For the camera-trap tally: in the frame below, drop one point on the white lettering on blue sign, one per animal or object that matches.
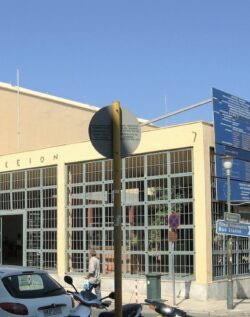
(240, 229)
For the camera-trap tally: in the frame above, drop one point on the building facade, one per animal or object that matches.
(56, 196)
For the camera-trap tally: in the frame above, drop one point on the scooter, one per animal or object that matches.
(86, 300)
(165, 310)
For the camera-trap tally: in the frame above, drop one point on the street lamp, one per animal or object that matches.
(227, 162)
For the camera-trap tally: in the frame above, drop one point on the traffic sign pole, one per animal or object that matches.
(230, 273)
(116, 114)
(173, 271)
(115, 133)
(174, 222)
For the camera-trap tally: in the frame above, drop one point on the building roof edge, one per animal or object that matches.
(46, 96)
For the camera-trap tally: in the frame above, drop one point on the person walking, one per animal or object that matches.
(93, 275)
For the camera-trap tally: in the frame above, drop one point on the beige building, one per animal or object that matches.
(56, 193)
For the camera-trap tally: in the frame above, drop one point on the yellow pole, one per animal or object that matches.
(116, 115)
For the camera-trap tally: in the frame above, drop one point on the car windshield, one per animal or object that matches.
(32, 285)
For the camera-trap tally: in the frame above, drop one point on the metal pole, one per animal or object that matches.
(229, 253)
(18, 109)
(173, 274)
(70, 221)
(177, 112)
(116, 114)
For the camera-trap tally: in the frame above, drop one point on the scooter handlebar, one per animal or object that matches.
(70, 292)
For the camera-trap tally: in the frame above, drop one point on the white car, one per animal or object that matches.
(32, 293)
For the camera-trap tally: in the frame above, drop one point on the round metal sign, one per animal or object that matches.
(101, 132)
(174, 221)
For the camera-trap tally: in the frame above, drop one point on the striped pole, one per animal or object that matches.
(136, 291)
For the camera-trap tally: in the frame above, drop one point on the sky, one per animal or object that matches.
(154, 56)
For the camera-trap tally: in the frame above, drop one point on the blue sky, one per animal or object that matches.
(152, 55)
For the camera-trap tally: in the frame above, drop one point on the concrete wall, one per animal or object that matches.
(31, 120)
(241, 288)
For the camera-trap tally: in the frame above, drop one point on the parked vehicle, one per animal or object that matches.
(86, 300)
(165, 310)
(31, 292)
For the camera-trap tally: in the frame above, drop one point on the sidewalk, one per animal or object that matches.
(194, 307)
(215, 308)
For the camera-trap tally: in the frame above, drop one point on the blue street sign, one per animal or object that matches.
(232, 137)
(231, 120)
(240, 169)
(241, 229)
(240, 154)
(240, 191)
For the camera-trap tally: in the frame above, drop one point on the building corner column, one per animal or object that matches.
(203, 209)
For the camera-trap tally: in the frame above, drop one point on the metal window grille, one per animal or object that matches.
(241, 245)
(5, 181)
(33, 193)
(153, 186)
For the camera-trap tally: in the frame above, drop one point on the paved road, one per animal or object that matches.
(149, 313)
(145, 313)
(96, 312)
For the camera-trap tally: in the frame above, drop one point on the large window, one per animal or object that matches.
(153, 186)
(33, 192)
(241, 245)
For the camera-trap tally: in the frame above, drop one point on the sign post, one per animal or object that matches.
(115, 133)
(173, 271)
(116, 113)
(174, 222)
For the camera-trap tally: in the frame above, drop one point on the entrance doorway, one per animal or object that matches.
(12, 239)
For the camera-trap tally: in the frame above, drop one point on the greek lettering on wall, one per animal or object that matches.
(27, 161)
